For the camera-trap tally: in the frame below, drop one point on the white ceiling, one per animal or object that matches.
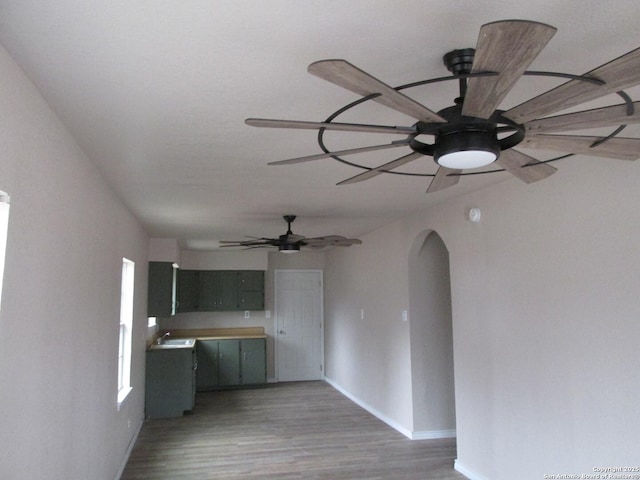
(156, 93)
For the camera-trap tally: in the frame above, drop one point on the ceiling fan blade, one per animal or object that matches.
(507, 47)
(524, 167)
(346, 75)
(619, 148)
(331, 240)
(621, 73)
(445, 177)
(340, 152)
(348, 127)
(374, 172)
(292, 237)
(598, 117)
(243, 244)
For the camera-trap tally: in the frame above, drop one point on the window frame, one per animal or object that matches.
(125, 335)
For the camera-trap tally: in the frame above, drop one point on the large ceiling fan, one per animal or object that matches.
(474, 133)
(290, 242)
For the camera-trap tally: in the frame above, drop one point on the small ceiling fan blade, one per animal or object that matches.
(331, 240)
(243, 244)
(347, 127)
(524, 167)
(292, 237)
(345, 75)
(619, 148)
(507, 47)
(598, 117)
(445, 177)
(340, 153)
(374, 172)
(325, 239)
(621, 73)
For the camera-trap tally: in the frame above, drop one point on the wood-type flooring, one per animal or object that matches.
(300, 430)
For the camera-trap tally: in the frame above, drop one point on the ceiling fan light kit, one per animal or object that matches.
(474, 132)
(466, 149)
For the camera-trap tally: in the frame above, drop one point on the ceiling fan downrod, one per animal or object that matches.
(459, 62)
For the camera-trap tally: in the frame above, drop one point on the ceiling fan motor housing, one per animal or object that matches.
(466, 139)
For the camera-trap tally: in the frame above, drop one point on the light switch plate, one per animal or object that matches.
(247, 314)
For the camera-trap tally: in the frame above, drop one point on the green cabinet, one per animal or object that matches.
(229, 372)
(253, 361)
(170, 382)
(161, 289)
(251, 290)
(187, 285)
(220, 290)
(230, 363)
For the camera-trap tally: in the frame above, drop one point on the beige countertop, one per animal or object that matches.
(206, 334)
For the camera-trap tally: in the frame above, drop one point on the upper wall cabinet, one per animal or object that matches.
(220, 290)
(161, 289)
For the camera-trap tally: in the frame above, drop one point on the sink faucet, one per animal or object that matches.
(161, 339)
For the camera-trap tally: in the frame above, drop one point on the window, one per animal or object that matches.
(126, 323)
(4, 225)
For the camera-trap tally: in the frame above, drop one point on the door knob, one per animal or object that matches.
(282, 332)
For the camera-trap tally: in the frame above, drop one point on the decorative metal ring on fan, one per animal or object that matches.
(468, 140)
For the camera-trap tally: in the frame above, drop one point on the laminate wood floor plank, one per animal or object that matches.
(286, 431)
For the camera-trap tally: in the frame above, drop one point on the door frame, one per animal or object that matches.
(276, 335)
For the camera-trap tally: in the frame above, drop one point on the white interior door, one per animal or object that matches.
(298, 305)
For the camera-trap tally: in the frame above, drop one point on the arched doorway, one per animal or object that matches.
(432, 372)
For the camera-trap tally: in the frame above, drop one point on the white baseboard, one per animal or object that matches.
(128, 452)
(392, 423)
(432, 434)
(470, 474)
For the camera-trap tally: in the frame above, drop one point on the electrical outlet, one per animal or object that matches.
(247, 314)
(267, 314)
(405, 316)
(362, 314)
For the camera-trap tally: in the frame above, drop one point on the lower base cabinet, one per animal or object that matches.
(231, 363)
(170, 382)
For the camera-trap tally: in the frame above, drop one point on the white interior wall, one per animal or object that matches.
(431, 338)
(545, 318)
(367, 353)
(61, 301)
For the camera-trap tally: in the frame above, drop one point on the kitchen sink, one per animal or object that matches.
(175, 343)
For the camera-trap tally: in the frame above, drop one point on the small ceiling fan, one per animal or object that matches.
(291, 243)
(474, 133)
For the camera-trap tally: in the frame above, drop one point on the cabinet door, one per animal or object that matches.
(253, 361)
(208, 290)
(188, 291)
(251, 290)
(251, 279)
(228, 362)
(160, 290)
(169, 382)
(228, 290)
(207, 371)
(218, 290)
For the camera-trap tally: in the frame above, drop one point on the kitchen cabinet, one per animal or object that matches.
(231, 363)
(220, 290)
(253, 365)
(187, 286)
(161, 289)
(251, 290)
(170, 382)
